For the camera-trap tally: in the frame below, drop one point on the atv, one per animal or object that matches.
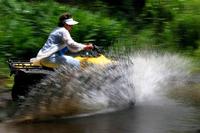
(26, 74)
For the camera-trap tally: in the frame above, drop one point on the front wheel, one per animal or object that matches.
(18, 92)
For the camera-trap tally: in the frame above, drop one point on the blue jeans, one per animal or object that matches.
(56, 60)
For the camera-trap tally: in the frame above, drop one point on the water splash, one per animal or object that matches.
(155, 74)
(142, 77)
(68, 92)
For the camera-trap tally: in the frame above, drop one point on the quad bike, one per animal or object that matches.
(27, 74)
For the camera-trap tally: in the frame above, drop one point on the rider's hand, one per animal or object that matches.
(89, 46)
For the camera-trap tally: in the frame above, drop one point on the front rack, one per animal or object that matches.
(17, 64)
(26, 67)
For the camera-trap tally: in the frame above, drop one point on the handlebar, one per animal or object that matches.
(96, 51)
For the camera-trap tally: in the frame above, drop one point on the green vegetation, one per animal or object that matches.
(25, 26)
(170, 25)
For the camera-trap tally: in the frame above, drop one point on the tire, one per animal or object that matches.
(23, 83)
(17, 92)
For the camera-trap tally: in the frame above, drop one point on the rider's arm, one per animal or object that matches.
(71, 44)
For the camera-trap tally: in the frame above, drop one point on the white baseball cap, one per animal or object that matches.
(70, 21)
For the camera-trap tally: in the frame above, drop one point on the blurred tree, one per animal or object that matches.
(138, 5)
(186, 31)
(126, 8)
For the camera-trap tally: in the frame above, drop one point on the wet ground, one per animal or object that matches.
(175, 112)
(167, 118)
(5, 98)
(172, 115)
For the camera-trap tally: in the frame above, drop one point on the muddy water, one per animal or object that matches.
(166, 97)
(170, 117)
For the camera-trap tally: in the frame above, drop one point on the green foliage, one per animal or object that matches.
(25, 26)
(186, 31)
(161, 24)
(171, 25)
(95, 28)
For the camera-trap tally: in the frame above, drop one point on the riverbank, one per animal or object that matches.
(5, 97)
(189, 94)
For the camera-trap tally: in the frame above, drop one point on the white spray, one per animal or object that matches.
(154, 74)
(139, 78)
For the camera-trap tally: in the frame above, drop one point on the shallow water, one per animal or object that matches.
(164, 101)
(169, 117)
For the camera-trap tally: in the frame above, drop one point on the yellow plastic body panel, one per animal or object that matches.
(100, 60)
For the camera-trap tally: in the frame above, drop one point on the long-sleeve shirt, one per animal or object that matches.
(58, 39)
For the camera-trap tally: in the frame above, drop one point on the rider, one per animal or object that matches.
(59, 42)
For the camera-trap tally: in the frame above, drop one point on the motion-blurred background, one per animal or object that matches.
(161, 25)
